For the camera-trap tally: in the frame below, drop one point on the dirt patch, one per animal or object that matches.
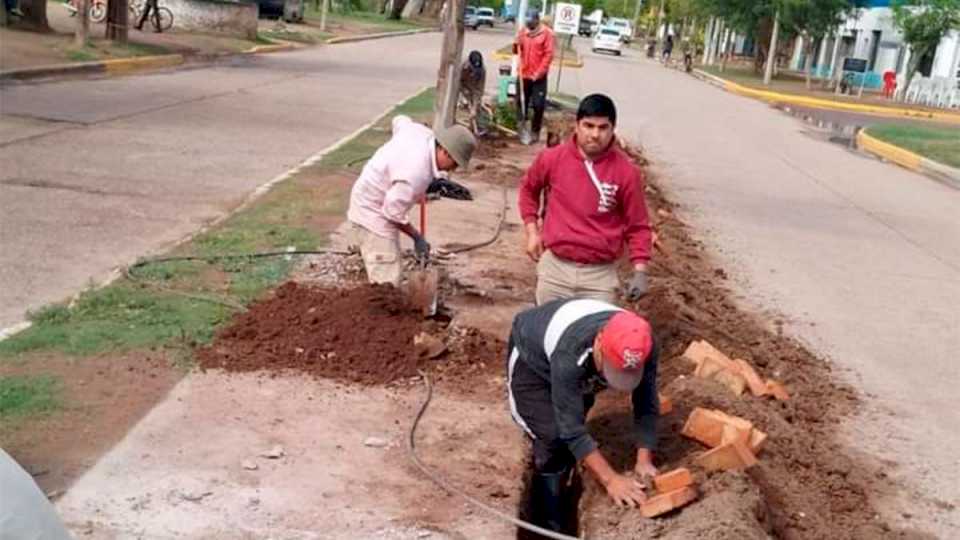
(102, 397)
(362, 335)
(806, 484)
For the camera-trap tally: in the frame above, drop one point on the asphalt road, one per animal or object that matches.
(96, 173)
(859, 257)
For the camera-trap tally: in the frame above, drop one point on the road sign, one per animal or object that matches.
(567, 20)
(856, 65)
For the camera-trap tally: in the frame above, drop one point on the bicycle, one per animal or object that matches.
(97, 11)
(162, 18)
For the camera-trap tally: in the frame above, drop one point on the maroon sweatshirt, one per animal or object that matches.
(580, 225)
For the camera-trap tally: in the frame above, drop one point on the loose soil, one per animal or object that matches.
(361, 335)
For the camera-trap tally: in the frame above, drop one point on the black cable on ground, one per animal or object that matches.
(496, 232)
(445, 485)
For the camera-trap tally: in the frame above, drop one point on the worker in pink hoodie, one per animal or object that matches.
(582, 204)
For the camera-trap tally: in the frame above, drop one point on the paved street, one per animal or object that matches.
(859, 257)
(94, 174)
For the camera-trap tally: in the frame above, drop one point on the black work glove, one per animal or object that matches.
(421, 248)
(637, 286)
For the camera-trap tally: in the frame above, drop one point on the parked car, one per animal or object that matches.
(470, 18)
(587, 27)
(625, 28)
(608, 39)
(485, 16)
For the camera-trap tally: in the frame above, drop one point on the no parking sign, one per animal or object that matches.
(567, 20)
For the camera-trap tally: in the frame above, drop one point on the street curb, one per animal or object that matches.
(907, 159)
(383, 35)
(566, 61)
(818, 103)
(117, 66)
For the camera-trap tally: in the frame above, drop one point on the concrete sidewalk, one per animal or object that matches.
(857, 259)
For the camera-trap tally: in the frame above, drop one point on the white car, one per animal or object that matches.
(624, 27)
(608, 39)
(485, 16)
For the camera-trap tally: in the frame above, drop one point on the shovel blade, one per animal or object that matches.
(422, 289)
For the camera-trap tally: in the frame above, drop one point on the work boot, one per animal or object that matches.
(547, 500)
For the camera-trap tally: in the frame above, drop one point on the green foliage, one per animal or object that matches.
(23, 395)
(923, 24)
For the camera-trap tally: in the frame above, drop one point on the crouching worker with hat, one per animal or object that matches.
(392, 182)
(560, 354)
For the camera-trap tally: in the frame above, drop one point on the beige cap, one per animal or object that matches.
(458, 142)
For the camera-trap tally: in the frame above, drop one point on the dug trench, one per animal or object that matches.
(805, 485)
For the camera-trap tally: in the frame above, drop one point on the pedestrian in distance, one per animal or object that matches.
(391, 183)
(560, 355)
(150, 6)
(582, 202)
(667, 49)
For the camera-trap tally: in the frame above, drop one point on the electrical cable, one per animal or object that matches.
(449, 488)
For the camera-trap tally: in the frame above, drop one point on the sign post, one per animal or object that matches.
(566, 22)
(854, 65)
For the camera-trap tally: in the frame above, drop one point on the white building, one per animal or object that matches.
(871, 36)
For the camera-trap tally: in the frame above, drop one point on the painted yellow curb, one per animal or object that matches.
(278, 47)
(890, 152)
(819, 103)
(567, 62)
(128, 65)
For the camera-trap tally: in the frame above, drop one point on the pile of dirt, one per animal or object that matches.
(806, 485)
(363, 334)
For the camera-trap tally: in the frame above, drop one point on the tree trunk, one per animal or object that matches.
(3, 15)
(772, 54)
(397, 9)
(808, 63)
(412, 9)
(117, 23)
(432, 9)
(35, 12)
(448, 77)
(83, 23)
(723, 49)
(323, 15)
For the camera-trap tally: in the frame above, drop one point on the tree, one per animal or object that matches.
(117, 21)
(814, 20)
(35, 13)
(924, 23)
(448, 77)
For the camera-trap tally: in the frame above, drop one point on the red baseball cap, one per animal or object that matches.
(625, 343)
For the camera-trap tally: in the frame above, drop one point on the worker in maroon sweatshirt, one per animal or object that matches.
(592, 206)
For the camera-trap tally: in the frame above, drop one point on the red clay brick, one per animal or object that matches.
(728, 457)
(698, 350)
(661, 504)
(732, 380)
(673, 480)
(777, 390)
(754, 382)
(666, 406)
(707, 426)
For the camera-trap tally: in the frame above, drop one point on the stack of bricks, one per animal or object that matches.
(734, 442)
(736, 374)
(674, 490)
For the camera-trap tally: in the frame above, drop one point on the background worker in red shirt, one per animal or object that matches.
(536, 46)
(593, 206)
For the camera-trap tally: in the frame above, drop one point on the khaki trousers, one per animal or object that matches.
(558, 278)
(381, 255)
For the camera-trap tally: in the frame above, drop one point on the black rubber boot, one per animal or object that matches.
(548, 501)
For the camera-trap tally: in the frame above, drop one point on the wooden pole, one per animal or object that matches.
(772, 53)
(448, 77)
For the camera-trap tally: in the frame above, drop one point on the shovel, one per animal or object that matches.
(523, 129)
(423, 281)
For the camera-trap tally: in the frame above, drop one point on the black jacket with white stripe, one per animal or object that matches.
(556, 341)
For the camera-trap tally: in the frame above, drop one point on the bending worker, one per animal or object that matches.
(392, 182)
(593, 206)
(560, 355)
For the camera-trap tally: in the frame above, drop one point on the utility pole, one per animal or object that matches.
(772, 53)
(448, 78)
(83, 23)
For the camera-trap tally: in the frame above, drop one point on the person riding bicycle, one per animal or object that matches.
(150, 6)
(667, 49)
